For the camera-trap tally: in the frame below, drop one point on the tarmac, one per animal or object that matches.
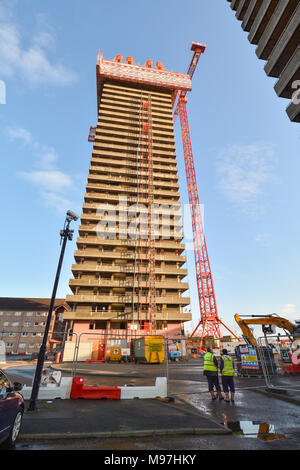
(71, 419)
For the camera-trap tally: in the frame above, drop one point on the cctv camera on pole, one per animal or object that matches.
(66, 234)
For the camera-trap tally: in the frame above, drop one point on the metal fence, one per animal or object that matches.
(186, 364)
(282, 373)
(117, 359)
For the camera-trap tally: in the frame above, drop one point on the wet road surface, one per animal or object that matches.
(257, 421)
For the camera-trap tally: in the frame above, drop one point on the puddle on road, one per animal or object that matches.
(254, 429)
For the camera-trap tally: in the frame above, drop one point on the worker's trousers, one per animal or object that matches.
(213, 381)
(228, 383)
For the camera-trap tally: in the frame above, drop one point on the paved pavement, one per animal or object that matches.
(115, 418)
(106, 418)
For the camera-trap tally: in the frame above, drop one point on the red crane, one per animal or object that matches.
(210, 322)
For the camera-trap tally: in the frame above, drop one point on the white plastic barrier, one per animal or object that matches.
(159, 390)
(51, 391)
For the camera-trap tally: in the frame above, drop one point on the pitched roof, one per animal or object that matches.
(27, 305)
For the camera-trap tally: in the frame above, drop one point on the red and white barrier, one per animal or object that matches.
(159, 390)
(93, 393)
(74, 388)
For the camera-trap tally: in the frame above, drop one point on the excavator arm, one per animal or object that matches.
(247, 333)
(264, 320)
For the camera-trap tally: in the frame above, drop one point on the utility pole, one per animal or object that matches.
(65, 234)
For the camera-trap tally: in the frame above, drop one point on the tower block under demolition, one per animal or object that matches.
(129, 271)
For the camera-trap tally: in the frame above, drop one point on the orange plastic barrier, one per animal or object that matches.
(93, 393)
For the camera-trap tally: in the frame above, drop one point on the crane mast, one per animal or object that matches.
(210, 322)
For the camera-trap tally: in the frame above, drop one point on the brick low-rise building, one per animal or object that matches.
(23, 320)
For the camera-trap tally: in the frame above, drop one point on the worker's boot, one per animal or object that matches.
(232, 397)
(220, 396)
(213, 397)
(227, 397)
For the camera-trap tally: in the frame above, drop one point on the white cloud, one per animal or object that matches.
(9, 49)
(243, 172)
(56, 201)
(51, 182)
(45, 35)
(37, 68)
(54, 180)
(31, 64)
(263, 238)
(19, 133)
(47, 159)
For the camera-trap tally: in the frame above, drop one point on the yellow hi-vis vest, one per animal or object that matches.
(209, 362)
(228, 366)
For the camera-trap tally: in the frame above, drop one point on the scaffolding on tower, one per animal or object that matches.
(147, 292)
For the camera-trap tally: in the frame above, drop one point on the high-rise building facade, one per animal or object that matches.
(129, 271)
(274, 27)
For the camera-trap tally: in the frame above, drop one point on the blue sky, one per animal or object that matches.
(246, 150)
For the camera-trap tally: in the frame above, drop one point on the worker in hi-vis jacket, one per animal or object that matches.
(211, 373)
(227, 373)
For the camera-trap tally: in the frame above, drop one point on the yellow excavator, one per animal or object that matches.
(269, 324)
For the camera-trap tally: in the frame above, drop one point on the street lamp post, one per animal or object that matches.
(65, 234)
